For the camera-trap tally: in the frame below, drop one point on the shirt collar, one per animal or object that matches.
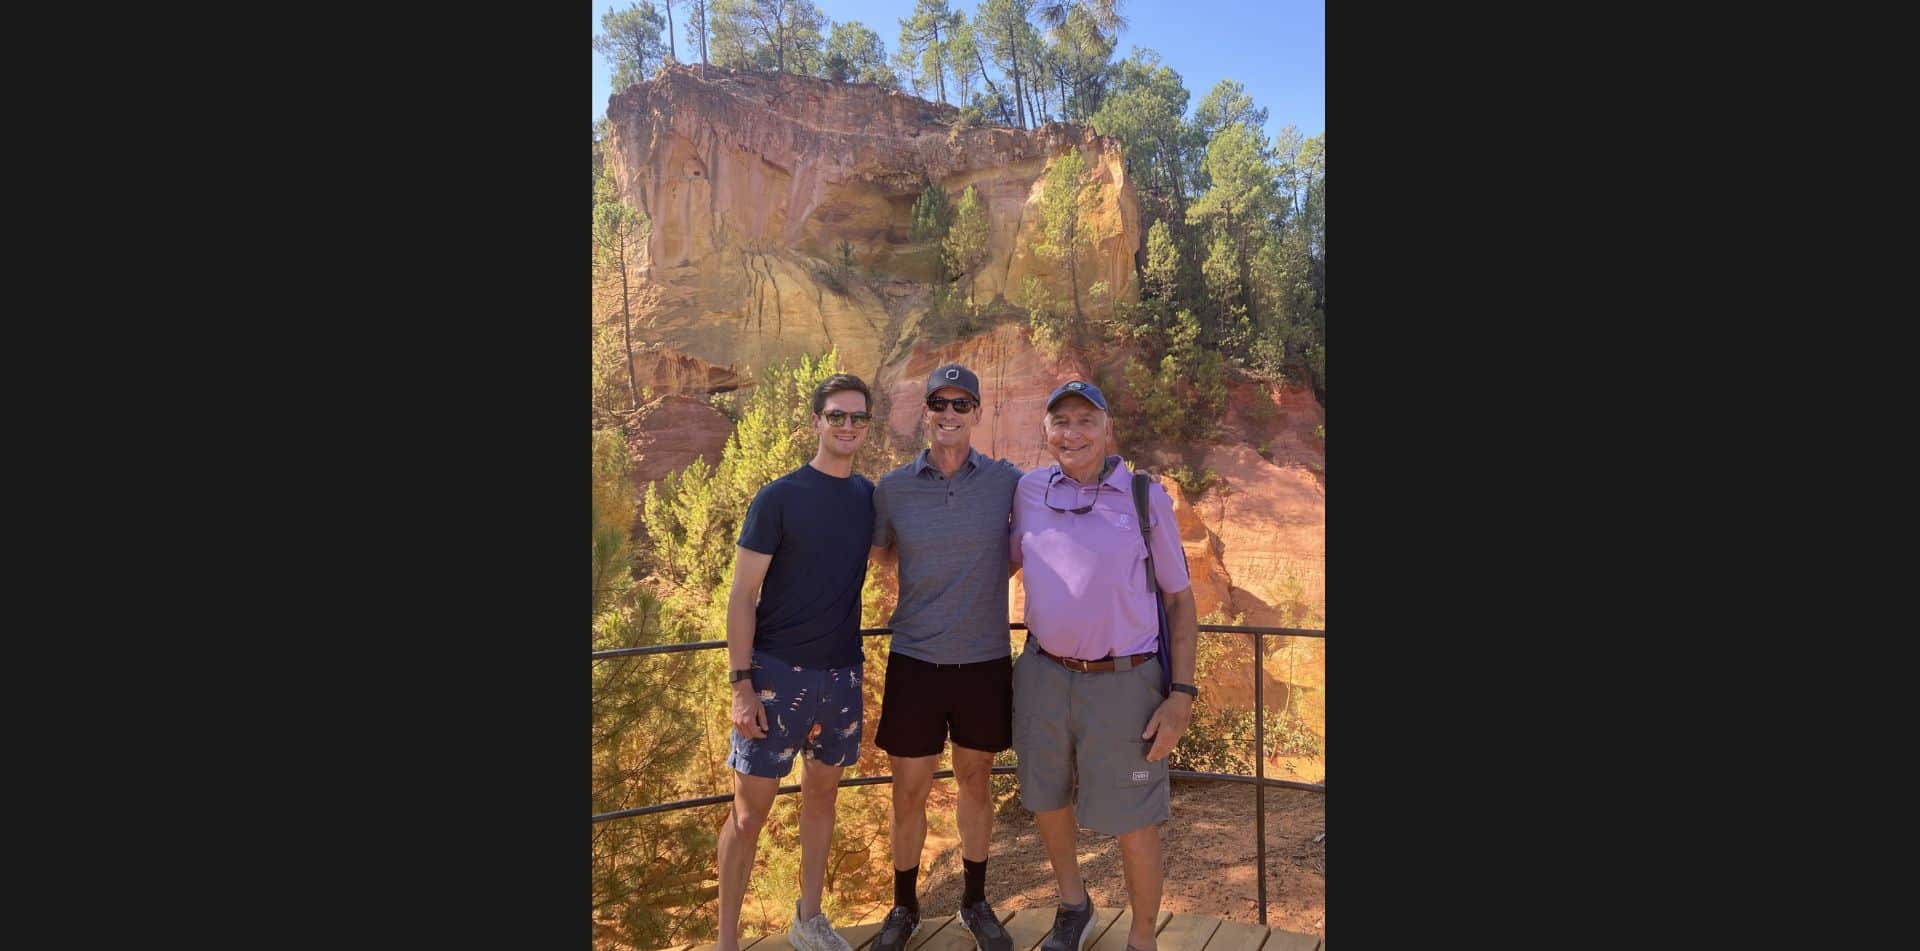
(924, 461)
(1118, 478)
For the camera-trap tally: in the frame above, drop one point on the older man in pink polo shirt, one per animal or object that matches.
(1090, 726)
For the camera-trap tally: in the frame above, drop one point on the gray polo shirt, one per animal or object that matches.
(951, 536)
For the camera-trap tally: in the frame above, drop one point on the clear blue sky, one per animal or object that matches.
(1276, 48)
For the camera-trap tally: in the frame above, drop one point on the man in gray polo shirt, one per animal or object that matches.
(946, 514)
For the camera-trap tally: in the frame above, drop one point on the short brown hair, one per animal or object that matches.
(839, 383)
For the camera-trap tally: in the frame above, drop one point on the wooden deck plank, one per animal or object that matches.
(1187, 932)
(860, 935)
(1104, 920)
(930, 927)
(1114, 938)
(956, 937)
(745, 943)
(1238, 936)
(1280, 940)
(773, 942)
(1029, 926)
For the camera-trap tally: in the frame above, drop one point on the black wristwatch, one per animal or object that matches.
(739, 675)
(1188, 689)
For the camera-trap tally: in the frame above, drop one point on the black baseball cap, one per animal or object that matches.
(953, 374)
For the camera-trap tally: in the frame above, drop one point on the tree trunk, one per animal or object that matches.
(626, 320)
(939, 66)
(672, 50)
(1073, 284)
(703, 38)
(983, 71)
(779, 41)
(1019, 99)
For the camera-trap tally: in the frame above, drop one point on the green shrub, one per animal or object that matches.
(1194, 484)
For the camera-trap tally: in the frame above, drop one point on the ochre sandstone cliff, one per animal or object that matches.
(753, 180)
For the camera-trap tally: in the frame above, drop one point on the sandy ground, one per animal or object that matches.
(1210, 859)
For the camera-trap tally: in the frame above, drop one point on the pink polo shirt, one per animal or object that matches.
(1086, 575)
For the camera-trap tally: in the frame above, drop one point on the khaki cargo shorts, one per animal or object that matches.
(1073, 729)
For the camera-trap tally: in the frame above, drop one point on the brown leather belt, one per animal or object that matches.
(1102, 665)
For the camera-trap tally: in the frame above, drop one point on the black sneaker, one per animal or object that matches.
(985, 925)
(1071, 928)
(899, 927)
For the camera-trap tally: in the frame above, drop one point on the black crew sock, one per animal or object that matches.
(904, 886)
(976, 880)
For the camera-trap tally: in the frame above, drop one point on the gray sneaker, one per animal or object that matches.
(985, 925)
(1071, 928)
(815, 934)
(899, 927)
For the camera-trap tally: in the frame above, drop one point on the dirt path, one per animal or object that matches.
(1209, 851)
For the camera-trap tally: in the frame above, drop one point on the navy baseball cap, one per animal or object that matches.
(953, 374)
(1078, 388)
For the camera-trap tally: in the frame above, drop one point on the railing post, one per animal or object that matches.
(1260, 765)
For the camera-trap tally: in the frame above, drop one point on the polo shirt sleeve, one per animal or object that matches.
(760, 531)
(1169, 558)
(882, 524)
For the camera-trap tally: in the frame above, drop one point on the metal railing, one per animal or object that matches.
(1259, 780)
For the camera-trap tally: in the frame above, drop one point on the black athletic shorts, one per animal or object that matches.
(921, 703)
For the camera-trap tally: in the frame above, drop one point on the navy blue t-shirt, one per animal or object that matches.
(817, 528)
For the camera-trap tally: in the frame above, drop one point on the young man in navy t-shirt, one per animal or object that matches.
(795, 655)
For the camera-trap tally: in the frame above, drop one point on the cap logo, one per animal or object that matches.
(953, 374)
(1076, 386)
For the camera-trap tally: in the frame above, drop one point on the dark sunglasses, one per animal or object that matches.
(1082, 510)
(961, 404)
(837, 417)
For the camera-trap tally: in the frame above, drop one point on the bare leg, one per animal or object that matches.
(1057, 832)
(739, 838)
(819, 790)
(1140, 864)
(971, 769)
(912, 778)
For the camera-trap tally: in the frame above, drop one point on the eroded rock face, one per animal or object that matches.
(1271, 521)
(754, 180)
(658, 368)
(1284, 419)
(1015, 380)
(1212, 587)
(667, 434)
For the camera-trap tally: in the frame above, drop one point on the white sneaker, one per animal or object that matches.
(815, 934)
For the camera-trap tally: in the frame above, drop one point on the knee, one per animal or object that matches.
(973, 781)
(1144, 840)
(819, 797)
(910, 797)
(746, 820)
(911, 788)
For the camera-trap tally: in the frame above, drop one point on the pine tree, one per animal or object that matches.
(965, 247)
(1063, 233)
